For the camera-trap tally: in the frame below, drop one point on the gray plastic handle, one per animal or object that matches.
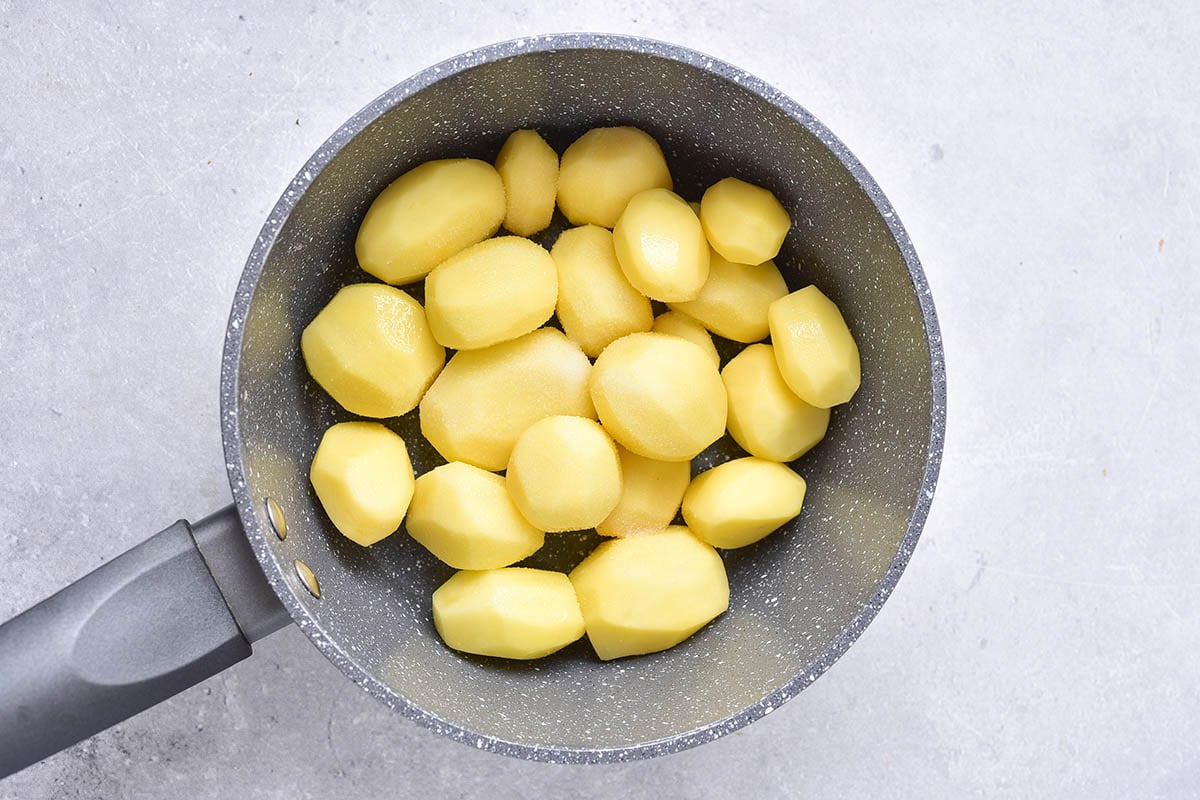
(161, 617)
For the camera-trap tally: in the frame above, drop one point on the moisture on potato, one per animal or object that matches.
(508, 613)
(661, 246)
(596, 303)
(816, 352)
(605, 167)
(733, 301)
(659, 396)
(427, 215)
(745, 223)
(674, 323)
(766, 417)
(364, 479)
(564, 474)
(647, 593)
(484, 399)
(741, 501)
(529, 169)
(491, 292)
(651, 492)
(464, 516)
(371, 349)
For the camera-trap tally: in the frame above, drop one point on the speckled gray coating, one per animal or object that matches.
(799, 597)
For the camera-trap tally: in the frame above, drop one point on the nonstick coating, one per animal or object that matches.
(799, 598)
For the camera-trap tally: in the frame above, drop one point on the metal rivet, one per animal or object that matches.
(276, 518)
(308, 579)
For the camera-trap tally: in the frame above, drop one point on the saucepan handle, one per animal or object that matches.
(161, 617)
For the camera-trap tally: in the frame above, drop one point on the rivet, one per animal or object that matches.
(308, 579)
(276, 518)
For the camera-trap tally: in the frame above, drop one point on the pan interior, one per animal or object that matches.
(793, 594)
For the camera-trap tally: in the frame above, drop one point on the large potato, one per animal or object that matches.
(603, 169)
(647, 593)
(491, 292)
(651, 492)
(427, 215)
(364, 479)
(508, 613)
(817, 355)
(675, 323)
(743, 222)
(741, 501)
(765, 416)
(484, 399)
(529, 168)
(371, 348)
(661, 246)
(734, 300)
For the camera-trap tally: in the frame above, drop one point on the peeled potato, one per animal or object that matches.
(817, 355)
(484, 399)
(529, 168)
(371, 348)
(564, 474)
(765, 417)
(651, 492)
(491, 292)
(603, 169)
(674, 323)
(745, 223)
(733, 301)
(427, 215)
(659, 396)
(464, 516)
(364, 480)
(648, 593)
(596, 303)
(661, 246)
(741, 501)
(508, 613)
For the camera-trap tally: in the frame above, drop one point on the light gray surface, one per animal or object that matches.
(1043, 639)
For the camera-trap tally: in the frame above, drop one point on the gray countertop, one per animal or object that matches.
(1043, 640)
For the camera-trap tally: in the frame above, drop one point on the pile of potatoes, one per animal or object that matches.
(593, 425)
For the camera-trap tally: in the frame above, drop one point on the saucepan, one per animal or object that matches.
(189, 602)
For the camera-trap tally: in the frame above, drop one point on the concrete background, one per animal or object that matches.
(1044, 639)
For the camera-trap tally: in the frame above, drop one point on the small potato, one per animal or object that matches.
(659, 396)
(745, 223)
(741, 501)
(529, 168)
(651, 492)
(364, 480)
(674, 323)
(817, 355)
(371, 348)
(508, 613)
(596, 304)
(765, 416)
(491, 292)
(427, 215)
(484, 399)
(564, 474)
(661, 246)
(647, 593)
(733, 301)
(603, 169)
(464, 516)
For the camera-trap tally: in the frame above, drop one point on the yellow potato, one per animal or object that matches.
(596, 304)
(364, 480)
(733, 301)
(491, 292)
(741, 501)
(529, 168)
(603, 169)
(464, 516)
(651, 492)
(484, 399)
(564, 474)
(427, 215)
(817, 355)
(659, 396)
(509, 613)
(674, 323)
(371, 348)
(661, 246)
(744, 223)
(765, 416)
(648, 593)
